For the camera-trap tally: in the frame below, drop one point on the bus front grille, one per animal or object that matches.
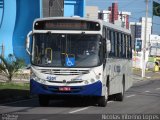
(64, 72)
(68, 82)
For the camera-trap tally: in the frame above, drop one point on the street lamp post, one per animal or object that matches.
(144, 42)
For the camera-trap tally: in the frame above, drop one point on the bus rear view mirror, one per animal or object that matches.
(28, 42)
(108, 46)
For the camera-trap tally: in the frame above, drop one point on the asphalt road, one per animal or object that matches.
(142, 98)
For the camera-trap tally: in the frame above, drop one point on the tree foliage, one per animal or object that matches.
(10, 65)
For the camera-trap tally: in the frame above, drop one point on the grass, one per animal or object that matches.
(19, 86)
(10, 92)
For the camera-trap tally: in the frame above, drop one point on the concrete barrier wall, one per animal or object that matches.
(26, 12)
(7, 19)
(16, 21)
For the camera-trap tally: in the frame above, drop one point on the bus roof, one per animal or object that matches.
(107, 24)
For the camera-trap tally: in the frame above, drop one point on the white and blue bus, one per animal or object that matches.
(72, 56)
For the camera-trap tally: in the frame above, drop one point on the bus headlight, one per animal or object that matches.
(40, 80)
(92, 80)
(34, 77)
(43, 81)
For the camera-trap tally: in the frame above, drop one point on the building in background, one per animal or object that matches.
(136, 28)
(74, 8)
(92, 12)
(17, 16)
(113, 15)
(104, 15)
(52, 8)
(138, 31)
(154, 48)
(154, 51)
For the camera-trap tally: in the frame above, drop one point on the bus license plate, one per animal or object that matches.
(64, 89)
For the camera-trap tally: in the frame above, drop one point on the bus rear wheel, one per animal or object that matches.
(43, 100)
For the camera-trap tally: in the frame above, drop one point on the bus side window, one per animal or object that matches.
(119, 45)
(112, 44)
(104, 42)
(126, 48)
(123, 46)
(122, 42)
(130, 47)
(115, 45)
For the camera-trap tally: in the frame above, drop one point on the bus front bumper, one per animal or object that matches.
(94, 89)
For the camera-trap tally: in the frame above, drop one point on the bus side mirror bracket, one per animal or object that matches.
(28, 42)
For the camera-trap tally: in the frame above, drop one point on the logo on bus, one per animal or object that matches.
(70, 61)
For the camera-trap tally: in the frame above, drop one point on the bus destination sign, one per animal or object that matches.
(66, 25)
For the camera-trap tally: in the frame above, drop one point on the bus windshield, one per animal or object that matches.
(66, 50)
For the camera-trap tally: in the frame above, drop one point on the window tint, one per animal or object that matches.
(121, 45)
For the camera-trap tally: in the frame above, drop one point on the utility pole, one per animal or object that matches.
(144, 42)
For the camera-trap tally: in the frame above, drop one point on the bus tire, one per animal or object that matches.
(120, 96)
(43, 100)
(102, 102)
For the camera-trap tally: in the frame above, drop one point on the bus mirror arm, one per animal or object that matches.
(28, 42)
(28, 52)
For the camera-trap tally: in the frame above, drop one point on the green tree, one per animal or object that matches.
(9, 66)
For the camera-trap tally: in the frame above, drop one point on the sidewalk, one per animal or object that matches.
(15, 80)
(149, 75)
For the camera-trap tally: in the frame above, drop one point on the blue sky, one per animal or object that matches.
(136, 7)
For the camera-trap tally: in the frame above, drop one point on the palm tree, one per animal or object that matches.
(9, 66)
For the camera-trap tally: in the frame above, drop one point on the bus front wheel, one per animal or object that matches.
(102, 102)
(43, 100)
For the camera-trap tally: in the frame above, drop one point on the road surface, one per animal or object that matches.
(142, 98)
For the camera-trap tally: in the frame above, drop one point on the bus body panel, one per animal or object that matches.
(77, 83)
(116, 76)
(86, 90)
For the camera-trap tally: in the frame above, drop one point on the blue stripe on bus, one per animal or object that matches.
(94, 89)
